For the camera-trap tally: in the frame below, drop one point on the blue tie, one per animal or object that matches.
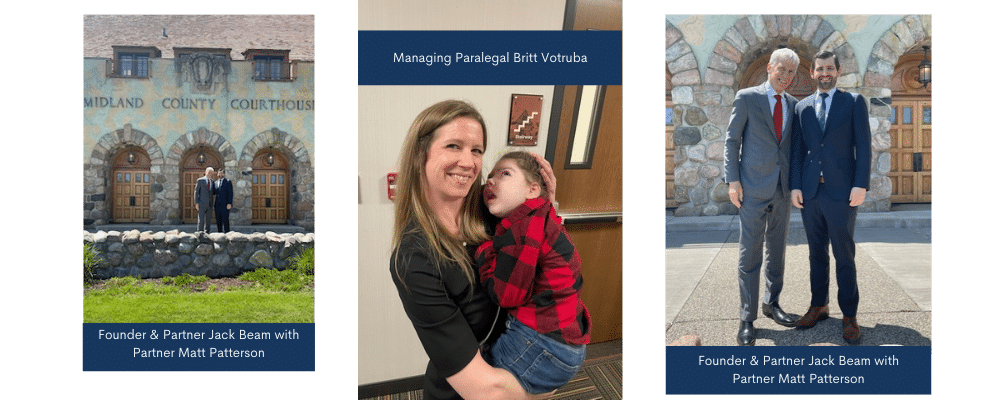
(822, 111)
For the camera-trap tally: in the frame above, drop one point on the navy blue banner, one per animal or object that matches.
(199, 347)
(489, 57)
(798, 370)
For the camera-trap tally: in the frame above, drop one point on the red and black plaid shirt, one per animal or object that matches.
(531, 268)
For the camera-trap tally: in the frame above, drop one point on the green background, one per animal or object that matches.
(41, 281)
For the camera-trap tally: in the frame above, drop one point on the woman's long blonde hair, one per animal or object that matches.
(411, 205)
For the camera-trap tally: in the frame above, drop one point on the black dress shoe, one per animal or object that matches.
(747, 336)
(773, 311)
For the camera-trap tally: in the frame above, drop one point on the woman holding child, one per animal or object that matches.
(440, 219)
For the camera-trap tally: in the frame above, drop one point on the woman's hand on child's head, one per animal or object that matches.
(548, 176)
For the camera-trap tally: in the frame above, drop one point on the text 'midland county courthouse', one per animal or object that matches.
(167, 96)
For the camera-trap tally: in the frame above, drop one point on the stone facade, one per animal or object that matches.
(703, 101)
(201, 99)
(157, 254)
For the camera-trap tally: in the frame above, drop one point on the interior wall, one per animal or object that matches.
(388, 347)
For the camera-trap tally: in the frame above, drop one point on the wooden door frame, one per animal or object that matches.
(609, 308)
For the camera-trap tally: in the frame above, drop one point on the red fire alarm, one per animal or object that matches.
(391, 178)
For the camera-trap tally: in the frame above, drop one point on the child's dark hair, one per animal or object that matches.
(532, 171)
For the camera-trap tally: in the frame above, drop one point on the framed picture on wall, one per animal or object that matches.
(525, 119)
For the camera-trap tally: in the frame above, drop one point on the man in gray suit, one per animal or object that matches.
(757, 158)
(203, 191)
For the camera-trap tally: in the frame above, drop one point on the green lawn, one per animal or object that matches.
(212, 307)
(265, 296)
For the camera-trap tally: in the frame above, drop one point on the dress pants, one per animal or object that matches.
(829, 222)
(204, 223)
(763, 233)
(222, 218)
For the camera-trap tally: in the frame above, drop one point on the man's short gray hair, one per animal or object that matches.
(784, 54)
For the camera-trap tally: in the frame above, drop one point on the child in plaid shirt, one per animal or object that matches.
(531, 268)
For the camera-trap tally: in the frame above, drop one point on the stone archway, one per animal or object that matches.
(700, 135)
(172, 166)
(912, 31)
(300, 172)
(97, 179)
(681, 76)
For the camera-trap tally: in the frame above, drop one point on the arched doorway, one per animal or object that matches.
(269, 184)
(910, 132)
(671, 147)
(193, 166)
(130, 185)
(801, 87)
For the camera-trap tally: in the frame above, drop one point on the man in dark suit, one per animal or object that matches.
(831, 161)
(223, 201)
(204, 188)
(756, 163)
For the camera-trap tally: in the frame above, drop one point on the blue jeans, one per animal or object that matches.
(541, 364)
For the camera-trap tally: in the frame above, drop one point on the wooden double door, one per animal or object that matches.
(130, 186)
(270, 196)
(131, 196)
(910, 133)
(270, 188)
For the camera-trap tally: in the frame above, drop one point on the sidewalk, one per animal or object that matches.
(894, 277)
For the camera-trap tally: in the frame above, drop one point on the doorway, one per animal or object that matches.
(269, 184)
(130, 185)
(910, 131)
(192, 168)
(910, 134)
(585, 149)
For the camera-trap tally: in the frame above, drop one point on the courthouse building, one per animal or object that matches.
(710, 58)
(167, 96)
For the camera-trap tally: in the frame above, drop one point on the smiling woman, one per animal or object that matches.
(438, 224)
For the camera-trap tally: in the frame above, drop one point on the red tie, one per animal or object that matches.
(209, 186)
(777, 117)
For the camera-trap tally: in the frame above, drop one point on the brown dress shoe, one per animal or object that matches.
(852, 333)
(814, 315)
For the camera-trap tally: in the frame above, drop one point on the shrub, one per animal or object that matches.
(91, 260)
(305, 262)
(272, 279)
(185, 279)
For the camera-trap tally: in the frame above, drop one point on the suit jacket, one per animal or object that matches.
(753, 155)
(223, 194)
(842, 151)
(203, 194)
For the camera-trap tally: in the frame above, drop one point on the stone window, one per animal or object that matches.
(132, 62)
(270, 65)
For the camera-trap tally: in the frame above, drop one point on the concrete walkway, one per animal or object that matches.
(894, 277)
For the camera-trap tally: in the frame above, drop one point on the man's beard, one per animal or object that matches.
(826, 86)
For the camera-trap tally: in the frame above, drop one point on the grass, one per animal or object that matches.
(285, 281)
(245, 306)
(91, 260)
(270, 296)
(305, 262)
(183, 280)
